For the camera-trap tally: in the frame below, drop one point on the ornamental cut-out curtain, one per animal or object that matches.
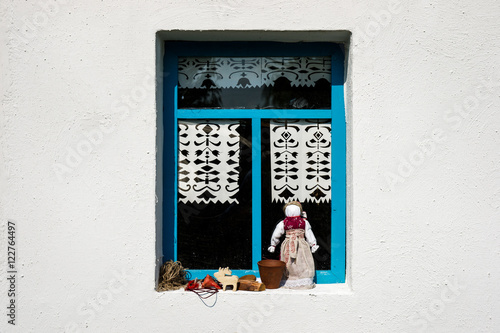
(301, 160)
(209, 154)
(249, 72)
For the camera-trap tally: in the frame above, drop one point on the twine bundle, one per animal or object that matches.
(172, 276)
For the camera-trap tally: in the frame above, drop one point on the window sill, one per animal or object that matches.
(319, 289)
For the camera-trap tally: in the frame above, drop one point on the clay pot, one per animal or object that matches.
(271, 272)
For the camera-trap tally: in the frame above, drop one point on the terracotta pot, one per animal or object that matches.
(271, 272)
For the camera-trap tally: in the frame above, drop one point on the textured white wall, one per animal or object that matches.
(424, 184)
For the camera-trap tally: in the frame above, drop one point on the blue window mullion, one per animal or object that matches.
(169, 204)
(338, 238)
(251, 113)
(176, 163)
(256, 190)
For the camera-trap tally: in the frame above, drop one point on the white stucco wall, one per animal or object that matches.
(423, 103)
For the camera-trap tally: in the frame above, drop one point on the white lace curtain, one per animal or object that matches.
(301, 160)
(248, 72)
(208, 161)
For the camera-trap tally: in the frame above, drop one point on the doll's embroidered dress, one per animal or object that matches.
(295, 249)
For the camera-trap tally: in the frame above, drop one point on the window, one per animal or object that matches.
(249, 126)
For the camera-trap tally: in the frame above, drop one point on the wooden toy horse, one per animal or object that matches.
(224, 276)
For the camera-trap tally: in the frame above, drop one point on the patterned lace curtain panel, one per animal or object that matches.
(209, 154)
(250, 72)
(209, 160)
(301, 160)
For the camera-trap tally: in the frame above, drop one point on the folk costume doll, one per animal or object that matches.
(296, 249)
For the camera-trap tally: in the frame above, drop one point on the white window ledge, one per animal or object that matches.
(319, 289)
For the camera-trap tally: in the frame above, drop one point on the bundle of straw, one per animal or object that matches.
(172, 276)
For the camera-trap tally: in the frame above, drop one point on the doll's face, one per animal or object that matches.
(292, 210)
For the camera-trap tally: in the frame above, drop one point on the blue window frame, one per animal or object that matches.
(336, 113)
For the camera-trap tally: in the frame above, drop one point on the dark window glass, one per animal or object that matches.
(254, 82)
(213, 234)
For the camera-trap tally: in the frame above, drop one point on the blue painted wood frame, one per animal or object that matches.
(337, 115)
